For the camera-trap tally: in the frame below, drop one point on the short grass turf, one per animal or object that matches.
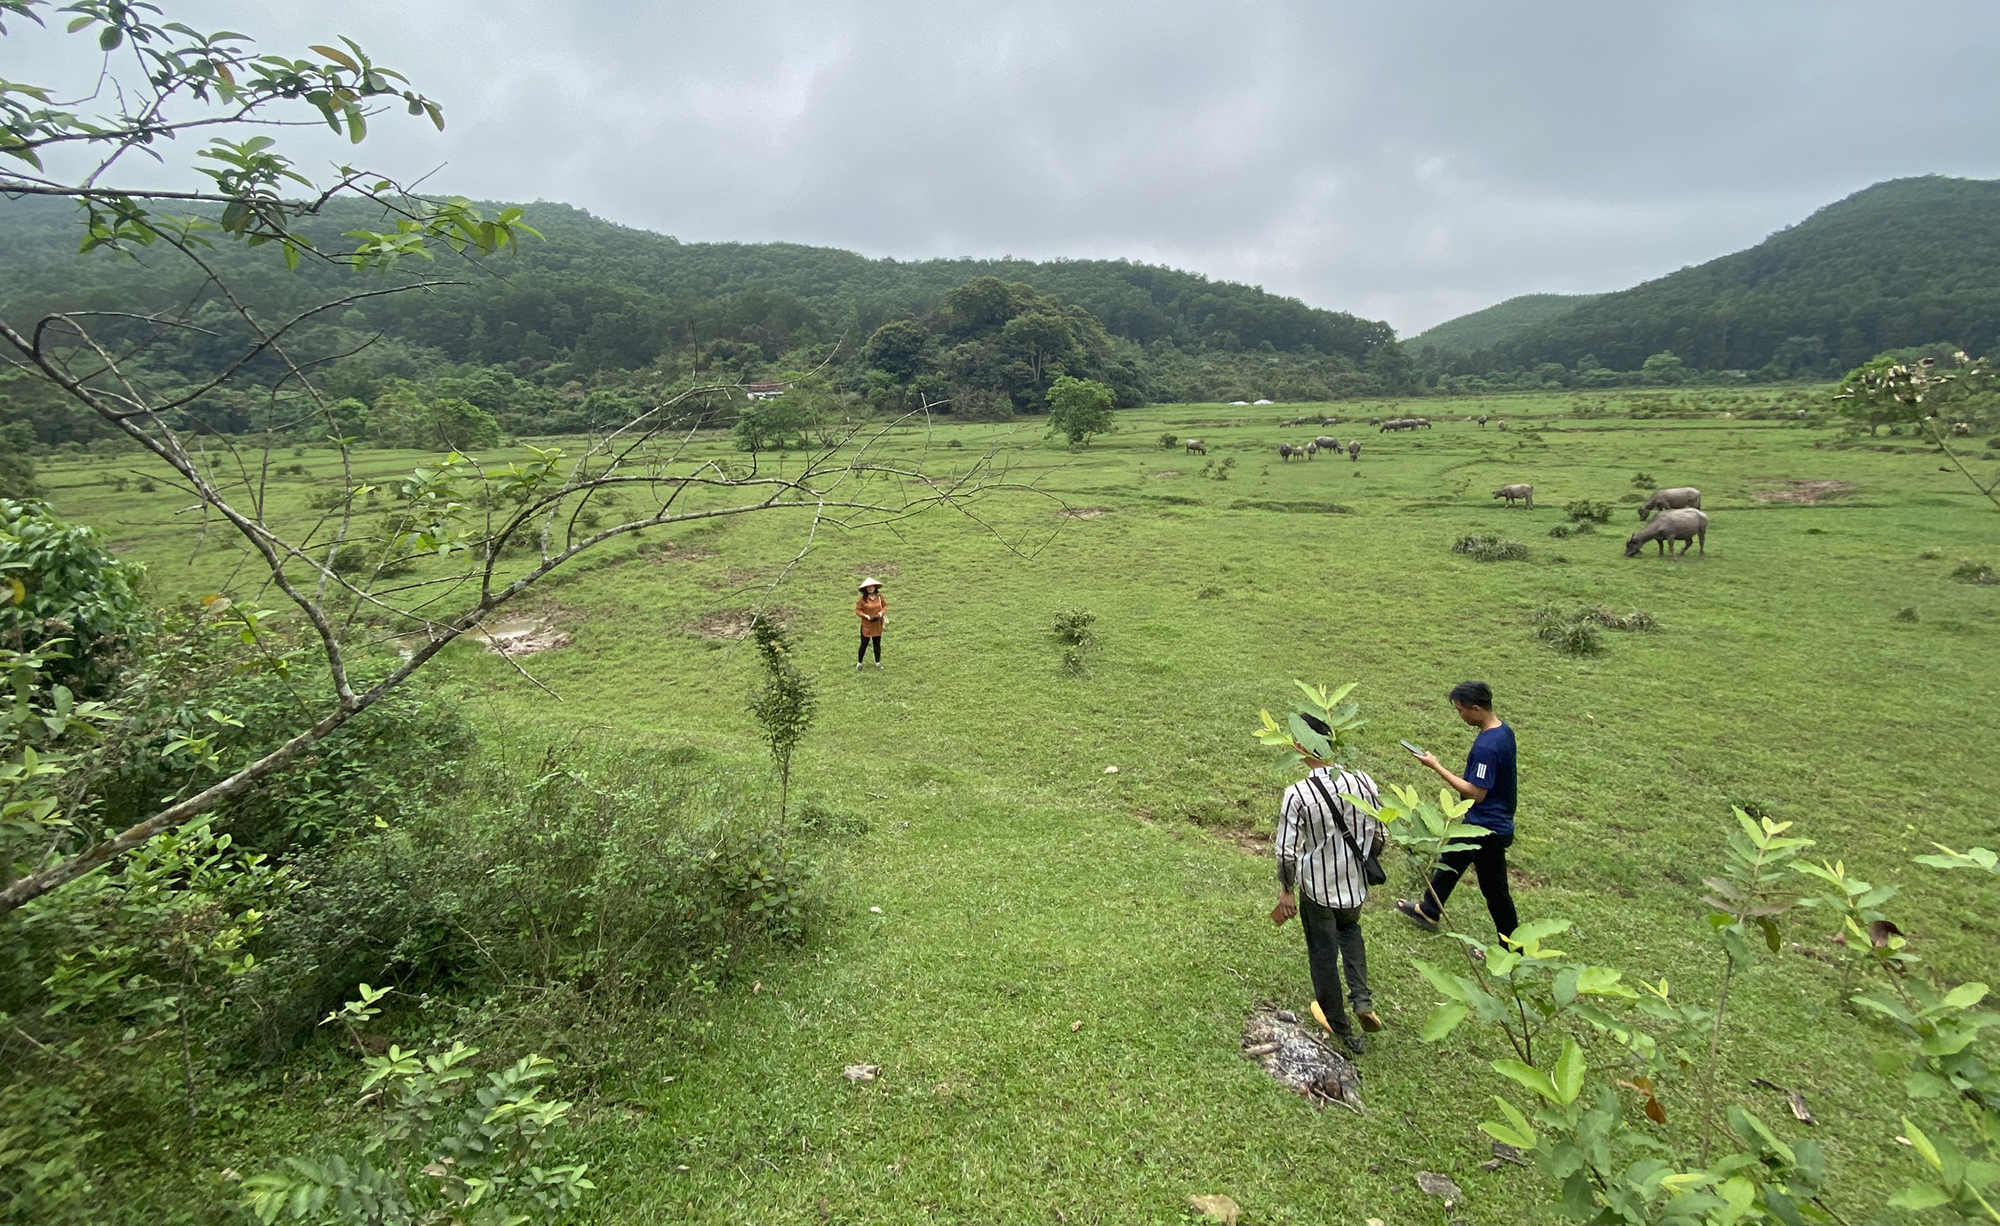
(1055, 981)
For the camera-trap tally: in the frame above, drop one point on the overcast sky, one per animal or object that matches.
(1404, 160)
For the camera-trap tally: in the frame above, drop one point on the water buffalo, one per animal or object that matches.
(1523, 491)
(1327, 442)
(1311, 449)
(1500, 425)
(1286, 451)
(1196, 447)
(1354, 449)
(1687, 525)
(1677, 499)
(1482, 421)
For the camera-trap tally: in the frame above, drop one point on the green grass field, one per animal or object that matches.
(1055, 982)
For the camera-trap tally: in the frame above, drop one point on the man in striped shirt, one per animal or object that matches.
(1320, 881)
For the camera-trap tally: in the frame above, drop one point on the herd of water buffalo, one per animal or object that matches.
(1669, 516)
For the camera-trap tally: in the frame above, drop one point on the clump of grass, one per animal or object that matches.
(955, 442)
(1572, 638)
(1970, 571)
(1579, 631)
(1906, 614)
(1930, 553)
(1168, 440)
(1588, 511)
(1073, 632)
(1644, 481)
(1483, 548)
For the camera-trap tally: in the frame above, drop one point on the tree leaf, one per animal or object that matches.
(1569, 1072)
(1530, 1077)
(1443, 1020)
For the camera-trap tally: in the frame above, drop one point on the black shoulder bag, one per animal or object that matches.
(1371, 864)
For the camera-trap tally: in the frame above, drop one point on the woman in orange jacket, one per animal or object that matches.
(872, 609)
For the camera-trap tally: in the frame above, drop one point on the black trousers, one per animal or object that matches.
(866, 639)
(1333, 944)
(1489, 856)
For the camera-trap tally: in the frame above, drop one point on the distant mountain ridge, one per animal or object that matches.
(1486, 328)
(1903, 263)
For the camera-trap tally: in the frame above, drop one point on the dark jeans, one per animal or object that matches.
(1489, 856)
(866, 639)
(1333, 938)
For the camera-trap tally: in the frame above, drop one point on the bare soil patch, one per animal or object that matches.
(880, 570)
(734, 624)
(1805, 493)
(1293, 1052)
(1167, 475)
(523, 634)
(1082, 512)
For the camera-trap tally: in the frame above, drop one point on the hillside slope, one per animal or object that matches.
(587, 265)
(1906, 262)
(1486, 328)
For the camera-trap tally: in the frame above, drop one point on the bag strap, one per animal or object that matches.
(1339, 819)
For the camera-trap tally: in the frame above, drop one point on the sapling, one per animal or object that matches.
(784, 704)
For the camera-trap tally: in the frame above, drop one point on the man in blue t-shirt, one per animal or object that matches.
(1489, 782)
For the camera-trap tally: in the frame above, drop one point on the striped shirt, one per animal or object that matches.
(1309, 848)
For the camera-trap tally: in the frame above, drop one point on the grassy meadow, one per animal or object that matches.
(1052, 963)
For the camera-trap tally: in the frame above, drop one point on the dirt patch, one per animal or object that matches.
(1165, 476)
(1805, 493)
(734, 624)
(879, 570)
(522, 635)
(1293, 1052)
(1082, 512)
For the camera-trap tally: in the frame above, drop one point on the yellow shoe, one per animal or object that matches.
(1319, 1015)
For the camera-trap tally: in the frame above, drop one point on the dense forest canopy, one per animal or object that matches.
(602, 309)
(1904, 263)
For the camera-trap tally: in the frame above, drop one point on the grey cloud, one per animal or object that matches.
(1402, 160)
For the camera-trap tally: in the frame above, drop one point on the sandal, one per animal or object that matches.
(1415, 915)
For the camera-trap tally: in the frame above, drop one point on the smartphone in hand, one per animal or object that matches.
(1414, 751)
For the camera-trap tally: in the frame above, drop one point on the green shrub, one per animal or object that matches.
(1482, 548)
(1644, 481)
(1577, 632)
(1168, 440)
(66, 587)
(1073, 633)
(1970, 571)
(1587, 511)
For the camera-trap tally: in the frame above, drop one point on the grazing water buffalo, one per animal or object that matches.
(1312, 449)
(1523, 491)
(1327, 442)
(1482, 421)
(1286, 451)
(1354, 449)
(1677, 499)
(1500, 425)
(1196, 447)
(1687, 525)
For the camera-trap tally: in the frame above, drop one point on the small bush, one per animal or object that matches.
(1994, 443)
(815, 816)
(146, 485)
(1168, 440)
(955, 442)
(1587, 511)
(1072, 631)
(1644, 481)
(1906, 614)
(1490, 549)
(1970, 571)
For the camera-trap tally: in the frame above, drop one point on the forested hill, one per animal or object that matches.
(1904, 263)
(1485, 329)
(652, 294)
